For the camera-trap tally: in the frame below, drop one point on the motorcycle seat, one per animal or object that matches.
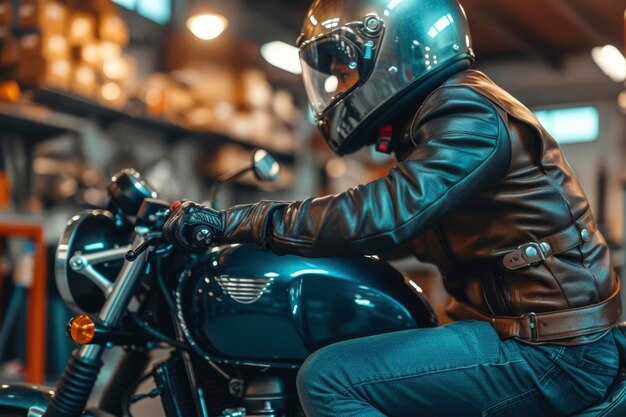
(614, 402)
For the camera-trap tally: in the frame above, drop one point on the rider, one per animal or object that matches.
(480, 189)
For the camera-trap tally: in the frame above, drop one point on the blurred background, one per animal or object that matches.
(183, 90)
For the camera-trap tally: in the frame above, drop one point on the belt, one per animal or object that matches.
(532, 253)
(554, 325)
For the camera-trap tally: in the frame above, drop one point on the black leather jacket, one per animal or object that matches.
(477, 177)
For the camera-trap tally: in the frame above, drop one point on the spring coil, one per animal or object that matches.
(74, 389)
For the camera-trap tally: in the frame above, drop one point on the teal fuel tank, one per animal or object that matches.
(241, 305)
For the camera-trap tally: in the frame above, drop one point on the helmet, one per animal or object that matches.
(364, 61)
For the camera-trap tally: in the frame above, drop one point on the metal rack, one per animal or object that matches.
(71, 104)
(29, 228)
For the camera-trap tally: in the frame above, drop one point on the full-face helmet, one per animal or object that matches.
(365, 61)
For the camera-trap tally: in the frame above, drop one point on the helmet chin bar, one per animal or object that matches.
(363, 130)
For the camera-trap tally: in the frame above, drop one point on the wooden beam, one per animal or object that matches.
(516, 34)
(589, 30)
(288, 18)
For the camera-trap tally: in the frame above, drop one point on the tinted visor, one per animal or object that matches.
(333, 65)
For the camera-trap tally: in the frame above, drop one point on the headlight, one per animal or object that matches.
(88, 258)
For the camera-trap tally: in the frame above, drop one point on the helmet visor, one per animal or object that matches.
(331, 67)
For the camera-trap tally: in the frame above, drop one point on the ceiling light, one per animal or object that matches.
(283, 56)
(207, 26)
(611, 62)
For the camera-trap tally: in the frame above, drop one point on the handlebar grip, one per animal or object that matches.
(201, 236)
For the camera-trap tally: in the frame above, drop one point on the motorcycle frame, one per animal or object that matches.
(119, 296)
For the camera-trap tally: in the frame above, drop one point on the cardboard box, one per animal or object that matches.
(39, 72)
(84, 81)
(113, 28)
(177, 101)
(108, 50)
(89, 53)
(55, 46)
(31, 71)
(47, 15)
(48, 46)
(81, 29)
(6, 13)
(8, 51)
(120, 69)
(257, 91)
(58, 73)
(112, 94)
(30, 46)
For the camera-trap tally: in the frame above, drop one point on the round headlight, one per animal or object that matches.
(89, 257)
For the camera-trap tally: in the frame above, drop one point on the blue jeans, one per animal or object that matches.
(459, 370)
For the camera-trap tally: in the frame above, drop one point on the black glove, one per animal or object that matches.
(193, 227)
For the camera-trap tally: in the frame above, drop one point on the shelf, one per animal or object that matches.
(65, 102)
(12, 227)
(76, 105)
(34, 122)
(15, 218)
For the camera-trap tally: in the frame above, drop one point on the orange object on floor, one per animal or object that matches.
(36, 308)
(9, 91)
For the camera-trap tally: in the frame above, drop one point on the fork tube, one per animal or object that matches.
(81, 372)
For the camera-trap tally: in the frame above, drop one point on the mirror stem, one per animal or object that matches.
(223, 179)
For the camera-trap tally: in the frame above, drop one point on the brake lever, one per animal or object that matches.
(150, 240)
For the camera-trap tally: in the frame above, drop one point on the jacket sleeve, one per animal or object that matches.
(462, 146)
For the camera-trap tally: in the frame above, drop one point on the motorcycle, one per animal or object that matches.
(237, 321)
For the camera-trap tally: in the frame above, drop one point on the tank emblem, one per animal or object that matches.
(244, 290)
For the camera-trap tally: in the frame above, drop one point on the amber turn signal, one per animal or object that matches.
(82, 329)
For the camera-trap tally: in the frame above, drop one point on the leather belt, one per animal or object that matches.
(554, 325)
(532, 253)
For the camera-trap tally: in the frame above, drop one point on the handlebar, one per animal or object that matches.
(153, 214)
(151, 239)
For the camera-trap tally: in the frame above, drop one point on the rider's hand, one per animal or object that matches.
(193, 227)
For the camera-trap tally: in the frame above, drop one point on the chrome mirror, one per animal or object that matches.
(265, 167)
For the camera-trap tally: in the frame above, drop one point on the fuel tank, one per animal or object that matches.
(242, 305)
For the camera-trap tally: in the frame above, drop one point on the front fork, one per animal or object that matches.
(81, 372)
(129, 370)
